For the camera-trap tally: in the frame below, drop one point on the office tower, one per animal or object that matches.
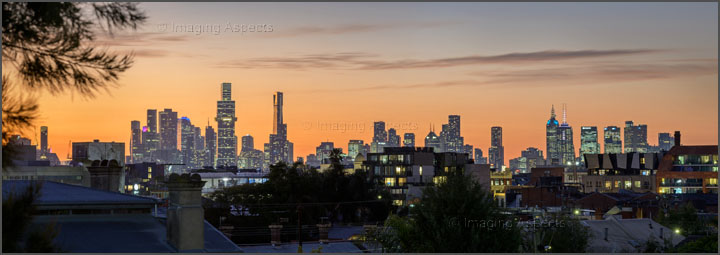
(227, 141)
(168, 130)
(665, 141)
(356, 147)
(635, 138)
(278, 148)
(409, 140)
(533, 158)
(187, 142)
(497, 151)
(551, 140)
(43, 140)
(323, 151)
(248, 143)
(479, 159)
(589, 141)
(468, 149)
(152, 120)
(432, 140)
(210, 145)
(565, 139)
(393, 138)
(450, 135)
(136, 150)
(379, 133)
(611, 138)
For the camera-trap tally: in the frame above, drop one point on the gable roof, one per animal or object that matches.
(626, 235)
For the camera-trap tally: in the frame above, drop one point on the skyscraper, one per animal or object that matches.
(393, 138)
(612, 142)
(136, 150)
(479, 159)
(565, 139)
(497, 151)
(589, 141)
(168, 130)
(665, 141)
(379, 133)
(187, 142)
(210, 144)
(551, 140)
(533, 158)
(409, 140)
(227, 141)
(356, 147)
(248, 143)
(43, 142)
(432, 140)
(635, 138)
(278, 148)
(151, 139)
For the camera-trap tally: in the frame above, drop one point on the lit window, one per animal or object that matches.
(637, 184)
(398, 170)
(642, 161)
(645, 172)
(420, 170)
(447, 169)
(401, 181)
(149, 169)
(617, 184)
(397, 202)
(628, 185)
(712, 181)
(389, 182)
(439, 179)
(608, 185)
(149, 175)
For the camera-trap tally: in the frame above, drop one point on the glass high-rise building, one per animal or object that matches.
(611, 139)
(432, 140)
(323, 151)
(168, 130)
(187, 142)
(551, 140)
(151, 138)
(496, 152)
(136, 150)
(565, 139)
(409, 140)
(393, 138)
(589, 141)
(379, 133)
(479, 159)
(210, 145)
(278, 148)
(635, 137)
(227, 141)
(248, 143)
(43, 142)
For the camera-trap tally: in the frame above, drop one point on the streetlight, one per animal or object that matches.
(677, 231)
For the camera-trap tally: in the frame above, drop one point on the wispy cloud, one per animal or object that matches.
(284, 32)
(135, 39)
(586, 75)
(366, 61)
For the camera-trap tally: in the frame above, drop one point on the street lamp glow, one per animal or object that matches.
(379, 197)
(577, 212)
(677, 231)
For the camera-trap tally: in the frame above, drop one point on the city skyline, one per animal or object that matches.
(489, 75)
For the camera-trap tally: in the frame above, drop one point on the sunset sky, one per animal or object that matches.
(410, 65)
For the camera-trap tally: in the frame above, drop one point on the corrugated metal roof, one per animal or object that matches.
(54, 193)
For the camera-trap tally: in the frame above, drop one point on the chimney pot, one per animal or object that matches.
(275, 238)
(185, 220)
(677, 138)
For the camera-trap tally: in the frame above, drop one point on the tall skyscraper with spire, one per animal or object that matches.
(432, 140)
(551, 140)
(227, 141)
(565, 140)
(278, 148)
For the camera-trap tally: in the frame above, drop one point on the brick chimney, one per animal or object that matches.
(275, 234)
(323, 232)
(185, 220)
(677, 138)
(107, 175)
